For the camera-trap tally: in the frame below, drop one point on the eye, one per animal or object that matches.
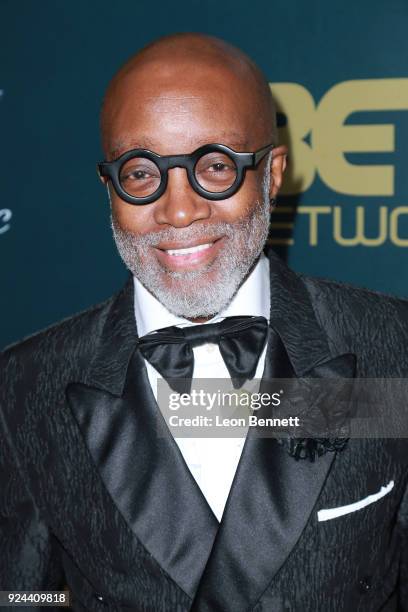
(219, 167)
(215, 163)
(139, 169)
(137, 175)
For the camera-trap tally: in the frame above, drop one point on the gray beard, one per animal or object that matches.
(204, 292)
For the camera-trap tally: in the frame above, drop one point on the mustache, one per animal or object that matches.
(209, 229)
(172, 234)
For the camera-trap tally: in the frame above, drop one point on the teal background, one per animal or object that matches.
(56, 59)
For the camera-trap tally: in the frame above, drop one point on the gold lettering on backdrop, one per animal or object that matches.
(387, 226)
(394, 217)
(359, 237)
(331, 139)
(313, 212)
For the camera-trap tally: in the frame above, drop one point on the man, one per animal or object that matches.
(91, 497)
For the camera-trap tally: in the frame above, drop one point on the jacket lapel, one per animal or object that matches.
(273, 494)
(145, 474)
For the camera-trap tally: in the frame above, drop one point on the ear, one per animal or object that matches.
(278, 166)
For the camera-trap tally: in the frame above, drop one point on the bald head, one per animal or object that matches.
(189, 74)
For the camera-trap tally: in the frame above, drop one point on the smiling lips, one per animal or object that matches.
(188, 250)
(185, 258)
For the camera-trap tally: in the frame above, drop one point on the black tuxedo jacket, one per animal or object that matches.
(92, 499)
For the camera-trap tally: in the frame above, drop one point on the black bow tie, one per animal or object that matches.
(240, 339)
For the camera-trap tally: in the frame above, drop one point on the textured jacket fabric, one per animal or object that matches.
(92, 499)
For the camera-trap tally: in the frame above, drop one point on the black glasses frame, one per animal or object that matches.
(243, 161)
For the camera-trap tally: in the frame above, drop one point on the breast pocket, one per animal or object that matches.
(338, 523)
(329, 514)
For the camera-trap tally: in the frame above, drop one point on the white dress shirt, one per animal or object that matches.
(212, 461)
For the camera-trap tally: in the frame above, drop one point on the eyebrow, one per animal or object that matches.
(231, 139)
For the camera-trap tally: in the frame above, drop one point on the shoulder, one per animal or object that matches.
(62, 346)
(371, 324)
(347, 301)
(343, 303)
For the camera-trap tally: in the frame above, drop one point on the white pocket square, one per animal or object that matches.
(330, 513)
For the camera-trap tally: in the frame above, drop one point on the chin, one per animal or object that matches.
(203, 295)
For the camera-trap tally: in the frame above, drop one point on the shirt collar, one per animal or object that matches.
(251, 299)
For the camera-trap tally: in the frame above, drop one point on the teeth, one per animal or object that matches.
(186, 251)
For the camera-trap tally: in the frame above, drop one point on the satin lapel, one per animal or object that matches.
(145, 475)
(272, 495)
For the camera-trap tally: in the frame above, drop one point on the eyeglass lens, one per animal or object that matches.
(140, 177)
(215, 172)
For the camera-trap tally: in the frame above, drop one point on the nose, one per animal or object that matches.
(180, 205)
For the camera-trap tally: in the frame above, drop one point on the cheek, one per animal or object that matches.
(242, 203)
(136, 219)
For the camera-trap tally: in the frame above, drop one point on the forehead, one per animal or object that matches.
(173, 110)
(232, 139)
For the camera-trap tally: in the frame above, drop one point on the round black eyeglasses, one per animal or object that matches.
(214, 171)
